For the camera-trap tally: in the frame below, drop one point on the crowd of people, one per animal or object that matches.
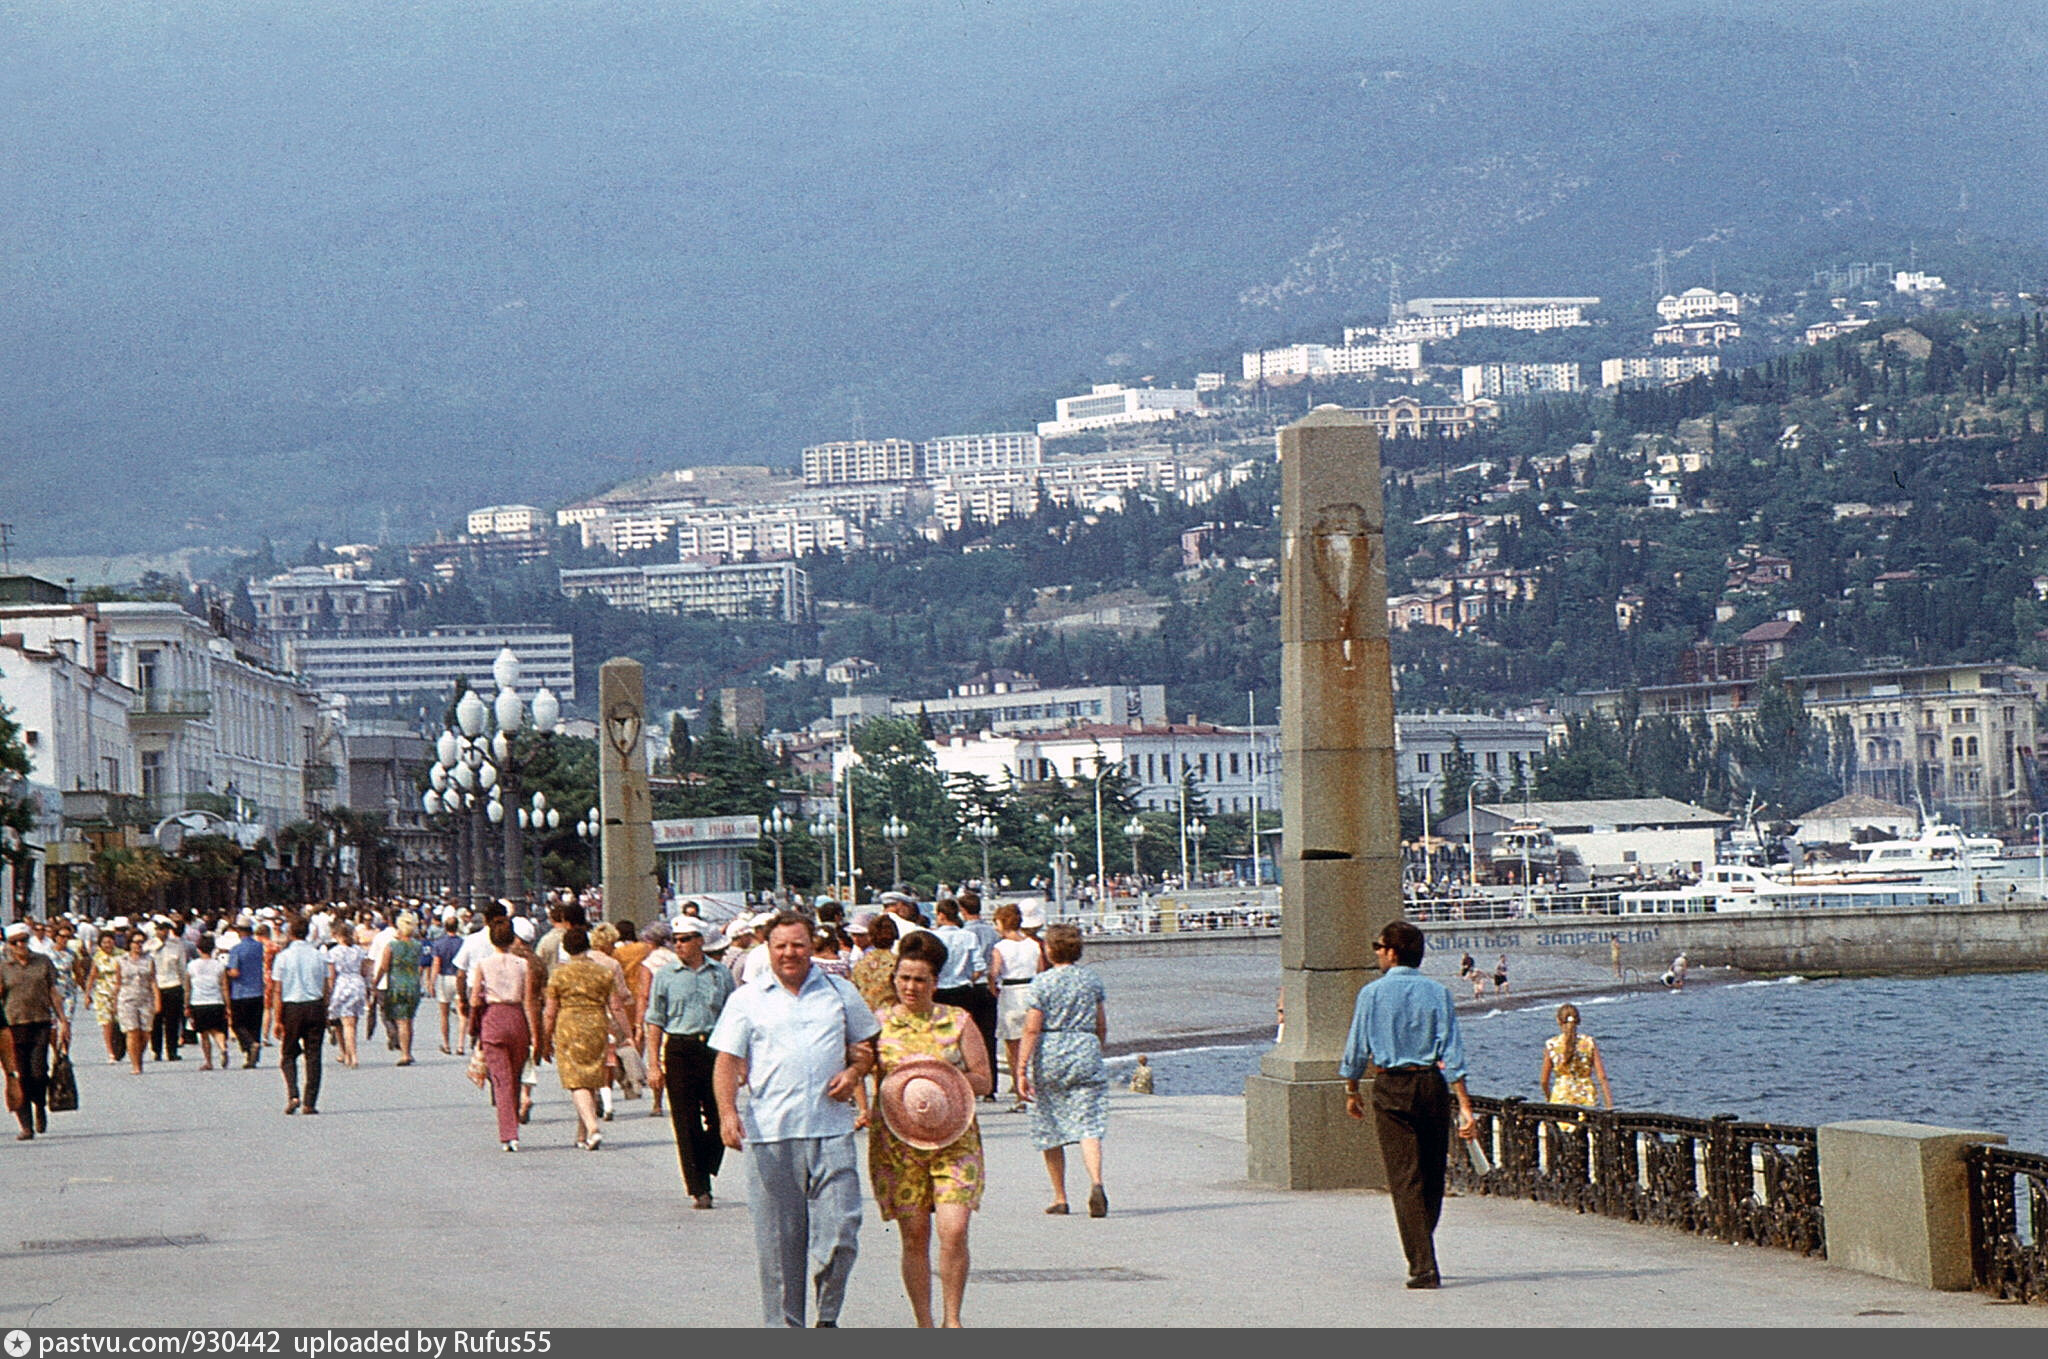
(887, 1022)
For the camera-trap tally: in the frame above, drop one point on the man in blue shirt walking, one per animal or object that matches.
(1405, 1030)
(245, 992)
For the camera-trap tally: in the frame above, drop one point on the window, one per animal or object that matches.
(1422, 764)
(1233, 764)
(1493, 762)
(1970, 747)
(1955, 747)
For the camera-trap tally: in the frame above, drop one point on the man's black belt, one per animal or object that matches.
(1406, 1070)
(693, 1037)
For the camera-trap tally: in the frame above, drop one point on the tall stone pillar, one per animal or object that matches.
(1341, 841)
(630, 889)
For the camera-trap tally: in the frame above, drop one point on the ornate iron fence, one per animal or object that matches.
(1757, 1183)
(2008, 1218)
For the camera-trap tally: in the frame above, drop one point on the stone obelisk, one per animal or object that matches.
(1341, 836)
(630, 888)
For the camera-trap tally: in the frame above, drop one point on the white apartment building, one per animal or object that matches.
(1231, 766)
(1834, 328)
(1427, 746)
(1111, 404)
(1008, 707)
(863, 504)
(1697, 334)
(956, 502)
(776, 589)
(991, 495)
(1210, 382)
(1507, 313)
(1407, 328)
(766, 530)
(860, 460)
(403, 669)
(1520, 379)
(1662, 368)
(619, 534)
(311, 599)
(966, 452)
(1905, 281)
(493, 520)
(1694, 303)
(1324, 360)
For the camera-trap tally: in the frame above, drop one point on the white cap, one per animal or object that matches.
(18, 930)
(688, 924)
(523, 927)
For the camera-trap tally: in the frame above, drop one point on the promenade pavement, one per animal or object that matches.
(182, 1198)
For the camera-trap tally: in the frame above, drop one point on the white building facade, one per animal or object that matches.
(1660, 368)
(967, 452)
(1694, 303)
(860, 460)
(1519, 379)
(403, 668)
(1110, 405)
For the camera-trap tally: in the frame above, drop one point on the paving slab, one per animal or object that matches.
(187, 1198)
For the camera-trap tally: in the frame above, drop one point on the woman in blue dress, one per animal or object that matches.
(1065, 1027)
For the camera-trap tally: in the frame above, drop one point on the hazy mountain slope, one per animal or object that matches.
(287, 272)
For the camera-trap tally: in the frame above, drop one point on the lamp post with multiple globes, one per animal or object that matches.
(590, 829)
(476, 759)
(895, 832)
(777, 826)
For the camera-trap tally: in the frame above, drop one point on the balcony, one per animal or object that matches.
(322, 778)
(182, 705)
(93, 807)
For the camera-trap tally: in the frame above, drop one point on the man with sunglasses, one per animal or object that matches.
(1405, 1031)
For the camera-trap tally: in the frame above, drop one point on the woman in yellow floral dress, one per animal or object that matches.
(913, 1187)
(1571, 1064)
(586, 1004)
(104, 978)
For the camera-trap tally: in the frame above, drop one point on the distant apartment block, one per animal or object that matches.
(1017, 704)
(741, 590)
(310, 600)
(1109, 405)
(766, 530)
(956, 502)
(1504, 313)
(1917, 283)
(1661, 368)
(992, 495)
(1697, 334)
(963, 452)
(862, 503)
(1694, 303)
(1835, 328)
(1326, 360)
(852, 461)
(505, 519)
(1210, 382)
(1407, 418)
(1407, 328)
(1520, 379)
(402, 668)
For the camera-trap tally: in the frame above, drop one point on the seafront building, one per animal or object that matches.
(1232, 767)
(1016, 704)
(403, 669)
(1960, 738)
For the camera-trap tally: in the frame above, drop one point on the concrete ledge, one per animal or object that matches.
(1297, 1136)
(1896, 1200)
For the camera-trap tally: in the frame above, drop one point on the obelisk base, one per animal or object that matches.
(1297, 1136)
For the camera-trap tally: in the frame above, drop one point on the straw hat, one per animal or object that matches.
(927, 1103)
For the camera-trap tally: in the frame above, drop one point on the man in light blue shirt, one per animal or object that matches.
(1405, 1029)
(801, 1041)
(301, 976)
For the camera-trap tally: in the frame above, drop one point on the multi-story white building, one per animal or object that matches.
(619, 534)
(1694, 303)
(1407, 328)
(991, 495)
(312, 600)
(1697, 334)
(495, 520)
(766, 530)
(1520, 379)
(1502, 750)
(966, 452)
(403, 669)
(1406, 417)
(1109, 405)
(1507, 313)
(1905, 281)
(1834, 328)
(863, 504)
(860, 460)
(1660, 368)
(1230, 767)
(776, 589)
(958, 502)
(1210, 382)
(1018, 706)
(1325, 360)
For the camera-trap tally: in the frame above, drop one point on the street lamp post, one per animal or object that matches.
(777, 826)
(2039, 821)
(823, 828)
(1197, 828)
(1062, 862)
(986, 831)
(894, 831)
(590, 829)
(1134, 831)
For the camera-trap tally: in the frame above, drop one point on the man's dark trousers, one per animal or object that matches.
(686, 1062)
(246, 1014)
(305, 1028)
(980, 1004)
(169, 1030)
(32, 1060)
(1411, 1113)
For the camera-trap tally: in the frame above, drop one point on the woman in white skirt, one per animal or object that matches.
(1017, 959)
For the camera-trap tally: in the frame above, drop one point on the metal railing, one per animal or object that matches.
(1755, 1183)
(173, 703)
(2008, 1216)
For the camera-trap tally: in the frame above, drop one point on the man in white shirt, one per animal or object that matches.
(801, 1041)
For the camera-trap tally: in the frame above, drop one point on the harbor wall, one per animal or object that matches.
(2006, 936)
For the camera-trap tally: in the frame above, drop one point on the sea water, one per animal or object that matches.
(1961, 1052)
